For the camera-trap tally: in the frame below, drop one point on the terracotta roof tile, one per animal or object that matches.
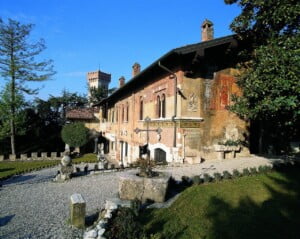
(84, 113)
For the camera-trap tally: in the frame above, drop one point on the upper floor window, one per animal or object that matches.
(161, 106)
(141, 108)
(123, 112)
(158, 112)
(127, 112)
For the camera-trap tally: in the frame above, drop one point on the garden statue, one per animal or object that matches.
(101, 157)
(66, 168)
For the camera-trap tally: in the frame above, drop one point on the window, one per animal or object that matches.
(126, 149)
(163, 106)
(112, 116)
(123, 111)
(141, 108)
(158, 106)
(117, 114)
(127, 112)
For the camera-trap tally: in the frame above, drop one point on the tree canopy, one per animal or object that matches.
(18, 65)
(270, 64)
(75, 134)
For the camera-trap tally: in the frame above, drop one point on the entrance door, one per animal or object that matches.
(160, 156)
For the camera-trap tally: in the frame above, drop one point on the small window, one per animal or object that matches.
(127, 112)
(163, 106)
(141, 108)
(158, 112)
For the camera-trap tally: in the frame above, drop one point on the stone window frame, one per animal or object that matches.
(161, 105)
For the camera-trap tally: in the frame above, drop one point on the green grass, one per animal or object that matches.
(260, 206)
(87, 158)
(8, 169)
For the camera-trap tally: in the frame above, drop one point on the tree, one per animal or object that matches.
(5, 114)
(97, 94)
(75, 134)
(270, 68)
(18, 65)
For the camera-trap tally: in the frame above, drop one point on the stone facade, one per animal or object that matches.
(188, 101)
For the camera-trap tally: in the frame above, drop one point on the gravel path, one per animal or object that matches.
(32, 206)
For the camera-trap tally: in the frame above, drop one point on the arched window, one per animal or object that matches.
(117, 114)
(141, 108)
(163, 106)
(127, 112)
(123, 112)
(158, 106)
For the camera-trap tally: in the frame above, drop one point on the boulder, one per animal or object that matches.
(133, 187)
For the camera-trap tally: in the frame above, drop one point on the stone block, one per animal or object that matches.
(53, 156)
(23, 157)
(78, 206)
(1, 157)
(44, 156)
(132, 186)
(34, 156)
(12, 157)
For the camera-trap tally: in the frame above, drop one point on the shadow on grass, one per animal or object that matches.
(5, 220)
(277, 217)
(6, 169)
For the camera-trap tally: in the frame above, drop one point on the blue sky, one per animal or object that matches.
(83, 35)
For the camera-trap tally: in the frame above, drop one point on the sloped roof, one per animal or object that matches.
(168, 57)
(81, 113)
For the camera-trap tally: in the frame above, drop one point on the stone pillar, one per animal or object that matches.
(34, 156)
(12, 157)
(44, 155)
(77, 210)
(221, 155)
(23, 157)
(54, 156)
(1, 157)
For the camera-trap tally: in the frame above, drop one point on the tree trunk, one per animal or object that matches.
(260, 138)
(12, 137)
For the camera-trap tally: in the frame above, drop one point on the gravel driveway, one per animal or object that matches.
(32, 206)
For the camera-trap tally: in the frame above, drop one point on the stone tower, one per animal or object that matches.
(207, 30)
(98, 79)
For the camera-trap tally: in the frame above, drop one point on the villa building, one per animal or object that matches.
(178, 105)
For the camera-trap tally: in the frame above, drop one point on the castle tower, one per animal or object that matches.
(207, 30)
(98, 79)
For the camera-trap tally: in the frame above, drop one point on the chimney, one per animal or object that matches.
(121, 81)
(207, 30)
(136, 69)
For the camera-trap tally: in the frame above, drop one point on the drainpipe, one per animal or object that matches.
(175, 99)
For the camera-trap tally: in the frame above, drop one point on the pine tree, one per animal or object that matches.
(18, 65)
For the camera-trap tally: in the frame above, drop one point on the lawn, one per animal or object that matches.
(8, 169)
(260, 206)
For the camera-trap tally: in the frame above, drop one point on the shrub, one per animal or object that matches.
(124, 224)
(196, 180)
(226, 175)
(217, 177)
(246, 172)
(186, 181)
(75, 134)
(207, 178)
(253, 170)
(235, 173)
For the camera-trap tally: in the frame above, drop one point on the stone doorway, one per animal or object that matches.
(160, 156)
